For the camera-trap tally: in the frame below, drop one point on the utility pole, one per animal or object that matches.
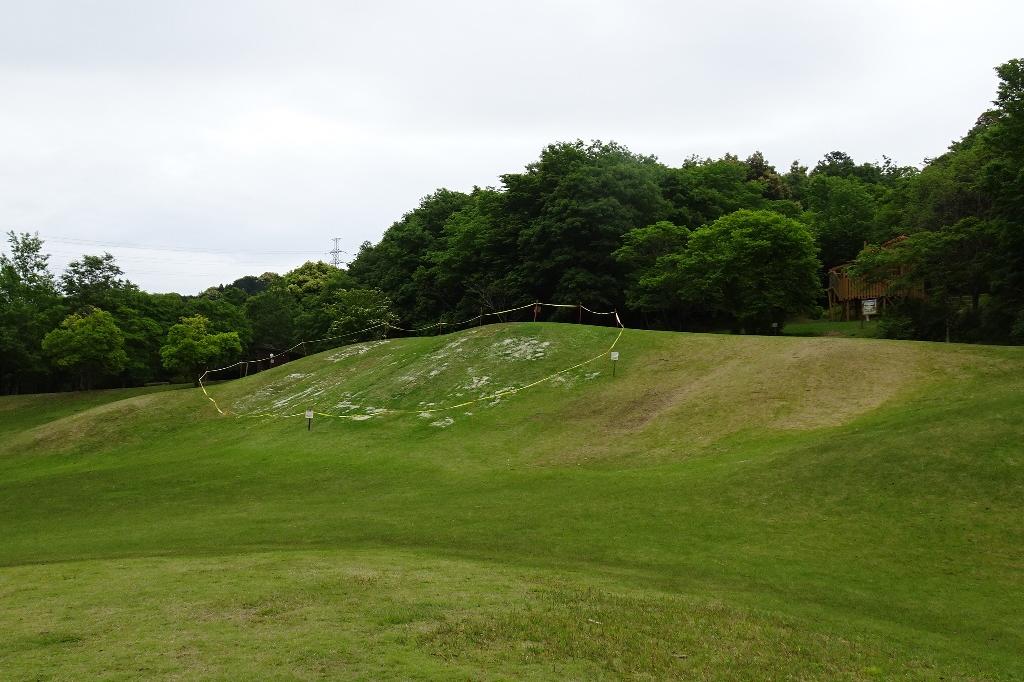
(336, 253)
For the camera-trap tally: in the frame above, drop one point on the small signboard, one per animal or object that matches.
(309, 420)
(309, 414)
(869, 306)
(615, 355)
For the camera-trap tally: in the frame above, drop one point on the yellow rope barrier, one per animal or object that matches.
(382, 411)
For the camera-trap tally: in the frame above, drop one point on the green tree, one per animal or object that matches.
(191, 346)
(29, 307)
(1003, 180)
(272, 315)
(953, 264)
(752, 268)
(572, 207)
(796, 180)
(145, 319)
(396, 264)
(841, 212)
(703, 190)
(313, 277)
(94, 281)
(470, 267)
(646, 256)
(222, 315)
(773, 186)
(89, 344)
(840, 165)
(142, 337)
(353, 310)
(970, 197)
(253, 285)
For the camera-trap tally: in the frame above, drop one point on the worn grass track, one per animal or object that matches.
(724, 508)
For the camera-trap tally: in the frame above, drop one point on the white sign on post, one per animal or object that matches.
(309, 414)
(615, 355)
(869, 306)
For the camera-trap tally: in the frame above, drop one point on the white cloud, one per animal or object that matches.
(275, 126)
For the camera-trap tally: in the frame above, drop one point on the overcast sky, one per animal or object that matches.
(240, 137)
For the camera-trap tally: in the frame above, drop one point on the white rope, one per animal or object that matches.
(387, 326)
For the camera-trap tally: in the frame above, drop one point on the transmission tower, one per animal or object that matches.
(336, 253)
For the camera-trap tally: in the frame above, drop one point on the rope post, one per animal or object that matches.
(580, 320)
(536, 309)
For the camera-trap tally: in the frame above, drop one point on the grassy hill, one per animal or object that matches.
(725, 507)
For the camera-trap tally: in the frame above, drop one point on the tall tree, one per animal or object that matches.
(952, 263)
(573, 206)
(221, 314)
(840, 165)
(1003, 180)
(88, 344)
(394, 263)
(253, 285)
(356, 310)
(703, 190)
(94, 281)
(29, 307)
(796, 180)
(773, 186)
(472, 264)
(272, 315)
(969, 198)
(841, 211)
(191, 346)
(753, 268)
(646, 255)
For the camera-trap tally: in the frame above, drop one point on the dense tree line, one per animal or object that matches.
(964, 214)
(728, 243)
(724, 243)
(92, 328)
(596, 223)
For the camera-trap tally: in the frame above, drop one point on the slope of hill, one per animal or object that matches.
(18, 413)
(724, 507)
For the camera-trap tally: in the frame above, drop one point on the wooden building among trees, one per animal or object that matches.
(847, 292)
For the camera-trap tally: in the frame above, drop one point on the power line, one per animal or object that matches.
(129, 245)
(172, 260)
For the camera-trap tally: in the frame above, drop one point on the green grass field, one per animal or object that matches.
(725, 507)
(855, 329)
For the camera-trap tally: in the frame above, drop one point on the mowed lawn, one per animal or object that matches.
(853, 328)
(725, 507)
